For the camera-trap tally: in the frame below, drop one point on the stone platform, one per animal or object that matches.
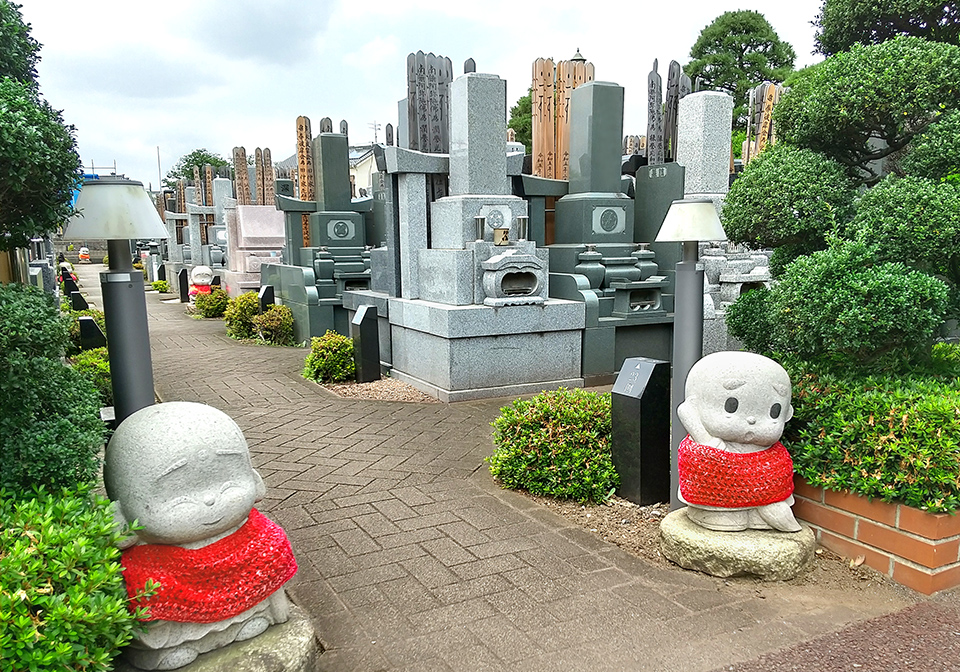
(768, 554)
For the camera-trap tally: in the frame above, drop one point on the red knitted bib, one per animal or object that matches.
(216, 582)
(713, 477)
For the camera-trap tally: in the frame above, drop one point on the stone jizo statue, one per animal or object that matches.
(182, 471)
(200, 279)
(734, 472)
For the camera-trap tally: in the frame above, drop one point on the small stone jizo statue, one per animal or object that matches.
(734, 472)
(183, 472)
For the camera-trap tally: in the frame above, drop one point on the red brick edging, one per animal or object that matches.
(917, 549)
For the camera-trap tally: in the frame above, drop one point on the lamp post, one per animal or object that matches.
(119, 210)
(688, 221)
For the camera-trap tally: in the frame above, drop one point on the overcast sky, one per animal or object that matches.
(133, 76)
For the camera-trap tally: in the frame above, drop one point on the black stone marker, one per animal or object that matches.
(215, 282)
(69, 285)
(266, 297)
(366, 344)
(640, 422)
(183, 285)
(90, 335)
(77, 302)
(162, 272)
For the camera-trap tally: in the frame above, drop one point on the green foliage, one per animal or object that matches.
(843, 310)
(31, 322)
(106, 260)
(94, 365)
(73, 347)
(330, 359)
(183, 168)
(39, 165)
(63, 601)
(239, 315)
(748, 318)
(161, 286)
(556, 443)
(521, 121)
(19, 52)
(214, 304)
(893, 437)
(275, 325)
(913, 220)
(890, 92)
(737, 139)
(935, 153)
(735, 53)
(50, 428)
(841, 23)
(788, 196)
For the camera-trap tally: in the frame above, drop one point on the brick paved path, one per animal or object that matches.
(412, 559)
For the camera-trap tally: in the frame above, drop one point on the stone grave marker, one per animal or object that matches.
(655, 151)
(183, 285)
(366, 344)
(305, 176)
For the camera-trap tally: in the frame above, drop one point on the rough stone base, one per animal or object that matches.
(770, 555)
(288, 647)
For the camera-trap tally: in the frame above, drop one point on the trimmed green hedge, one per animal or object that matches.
(556, 443)
(330, 359)
(894, 437)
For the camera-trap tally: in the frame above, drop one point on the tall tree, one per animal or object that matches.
(736, 52)
(39, 165)
(521, 121)
(842, 23)
(183, 168)
(19, 53)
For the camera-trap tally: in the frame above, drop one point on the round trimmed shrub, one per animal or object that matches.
(63, 603)
(212, 305)
(330, 359)
(275, 326)
(161, 286)
(94, 365)
(556, 443)
(841, 308)
(239, 315)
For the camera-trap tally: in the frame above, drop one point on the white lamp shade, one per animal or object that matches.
(114, 209)
(691, 219)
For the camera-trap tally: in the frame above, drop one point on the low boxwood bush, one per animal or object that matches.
(63, 601)
(50, 427)
(213, 305)
(275, 326)
(161, 286)
(239, 315)
(330, 359)
(893, 437)
(31, 322)
(556, 443)
(94, 365)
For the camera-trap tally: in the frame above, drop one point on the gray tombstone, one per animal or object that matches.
(283, 187)
(326, 125)
(389, 133)
(469, 65)
(183, 285)
(640, 430)
(366, 344)
(162, 272)
(670, 112)
(343, 127)
(90, 335)
(265, 297)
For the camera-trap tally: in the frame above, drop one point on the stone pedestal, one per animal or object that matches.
(767, 554)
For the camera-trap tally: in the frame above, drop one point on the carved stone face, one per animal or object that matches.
(183, 471)
(740, 397)
(201, 275)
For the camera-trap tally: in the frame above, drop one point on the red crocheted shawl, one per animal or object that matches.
(215, 582)
(713, 477)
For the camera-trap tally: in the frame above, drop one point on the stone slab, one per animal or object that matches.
(594, 218)
(401, 160)
(767, 554)
(596, 137)
(703, 144)
(475, 321)
(478, 135)
(287, 647)
(447, 276)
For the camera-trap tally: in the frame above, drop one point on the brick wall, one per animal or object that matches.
(917, 549)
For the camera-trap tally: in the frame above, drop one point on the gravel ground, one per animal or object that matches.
(385, 389)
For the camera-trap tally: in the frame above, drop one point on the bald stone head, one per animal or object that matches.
(183, 471)
(737, 397)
